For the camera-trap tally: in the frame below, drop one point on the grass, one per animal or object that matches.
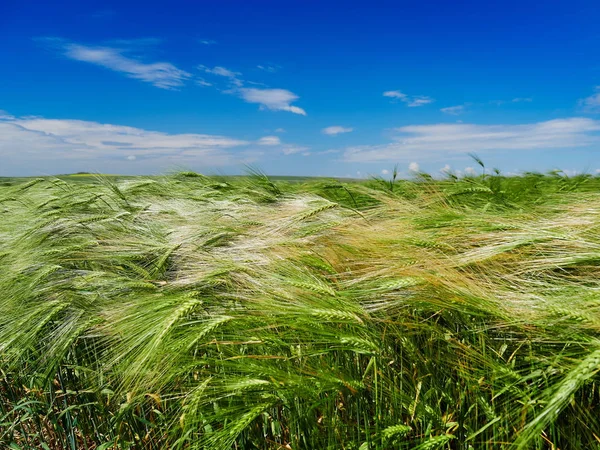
(193, 312)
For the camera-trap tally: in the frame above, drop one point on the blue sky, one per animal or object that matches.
(298, 88)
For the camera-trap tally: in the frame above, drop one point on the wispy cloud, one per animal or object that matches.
(453, 110)
(269, 67)
(330, 151)
(514, 100)
(420, 101)
(163, 75)
(203, 82)
(34, 142)
(414, 167)
(272, 99)
(291, 149)
(220, 71)
(591, 103)
(411, 101)
(267, 98)
(269, 140)
(395, 94)
(432, 141)
(207, 41)
(335, 130)
(4, 115)
(279, 146)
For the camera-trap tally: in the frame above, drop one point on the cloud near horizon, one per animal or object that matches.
(36, 141)
(433, 141)
(414, 166)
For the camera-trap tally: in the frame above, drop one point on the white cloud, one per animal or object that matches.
(394, 94)
(418, 100)
(470, 171)
(514, 100)
(163, 75)
(167, 76)
(414, 167)
(290, 149)
(280, 130)
(269, 140)
(286, 149)
(269, 68)
(446, 169)
(220, 71)
(385, 172)
(335, 130)
(5, 115)
(591, 103)
(443, 139)
(207, 41)
(223, 72)
(570, 172)
(453, 110)
(273, 99)
(38, 144)
(203, 82)
(328, 152)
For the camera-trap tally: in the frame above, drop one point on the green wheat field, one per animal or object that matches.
(195, 312)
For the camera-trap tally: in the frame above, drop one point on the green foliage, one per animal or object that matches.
(195, 312)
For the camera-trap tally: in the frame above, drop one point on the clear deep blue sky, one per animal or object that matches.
(298, 87)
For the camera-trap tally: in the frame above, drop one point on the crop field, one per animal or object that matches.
(195, 312)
